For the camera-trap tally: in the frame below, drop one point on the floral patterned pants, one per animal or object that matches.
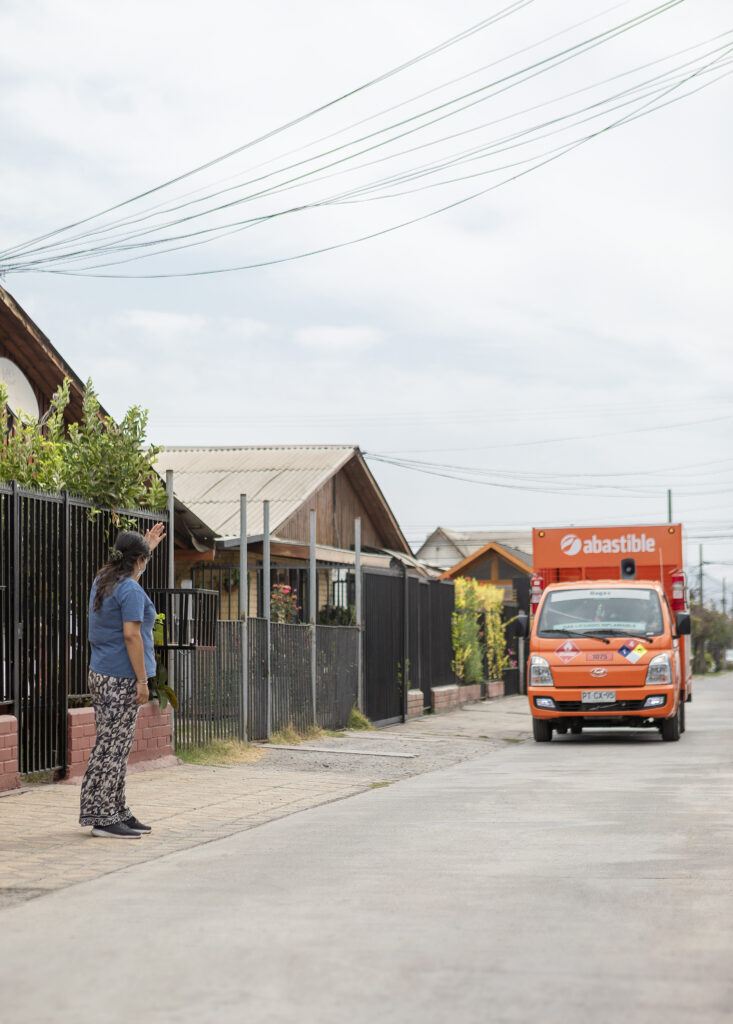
(103, 788)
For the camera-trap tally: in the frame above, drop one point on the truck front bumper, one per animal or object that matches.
(632, 705)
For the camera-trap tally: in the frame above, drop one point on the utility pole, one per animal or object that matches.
(243, 613)
(669, 505)
(725, 605)
(701, 601)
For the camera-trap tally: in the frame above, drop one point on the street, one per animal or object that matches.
(586, 880)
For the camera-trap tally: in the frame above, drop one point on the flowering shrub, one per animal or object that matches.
(284, 605)
(478, 632)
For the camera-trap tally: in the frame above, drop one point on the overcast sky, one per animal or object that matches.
(568, 330)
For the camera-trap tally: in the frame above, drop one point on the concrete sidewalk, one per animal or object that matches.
(43, 849)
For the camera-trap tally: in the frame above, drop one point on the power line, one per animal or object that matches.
(651, 92)
(512, 8)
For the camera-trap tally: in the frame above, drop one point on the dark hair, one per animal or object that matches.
(129, 546)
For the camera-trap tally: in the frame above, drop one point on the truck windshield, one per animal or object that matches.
(614, 611)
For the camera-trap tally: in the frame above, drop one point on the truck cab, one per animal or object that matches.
(608, 639)
(606, 654)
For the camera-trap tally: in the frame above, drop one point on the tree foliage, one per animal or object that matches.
(106, 463)
(712, 633)
(478, 631)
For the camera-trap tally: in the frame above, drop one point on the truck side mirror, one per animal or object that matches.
(682, 622)
(521, 625)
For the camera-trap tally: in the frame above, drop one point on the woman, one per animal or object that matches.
(121, 620)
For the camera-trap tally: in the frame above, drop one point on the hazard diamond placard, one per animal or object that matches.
(567, 651)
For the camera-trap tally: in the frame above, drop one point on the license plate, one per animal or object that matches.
(598, 697)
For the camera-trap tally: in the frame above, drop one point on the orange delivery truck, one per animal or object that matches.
(609, 633)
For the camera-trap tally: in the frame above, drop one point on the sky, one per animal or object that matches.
(557, 349)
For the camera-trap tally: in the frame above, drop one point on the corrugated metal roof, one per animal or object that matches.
(210, 480)
(442, 544)
(471, 540)
(518, 553)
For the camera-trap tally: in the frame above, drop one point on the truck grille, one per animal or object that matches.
(619, 705)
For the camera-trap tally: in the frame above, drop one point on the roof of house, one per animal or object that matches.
(30, 349)
(519, 559)
(210, 481)
(466, 542)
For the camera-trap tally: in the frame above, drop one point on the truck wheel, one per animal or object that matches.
(542, 730)
(670, 727)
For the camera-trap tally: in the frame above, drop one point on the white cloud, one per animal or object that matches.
(344, 340)
(587, 298)
(160, 324)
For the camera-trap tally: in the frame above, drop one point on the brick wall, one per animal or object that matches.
(469, 694)
(447, 698)
(414, 703)
(152, 737)
(9, 775)
(443, 698)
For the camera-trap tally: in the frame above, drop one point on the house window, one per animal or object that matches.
(340, 588)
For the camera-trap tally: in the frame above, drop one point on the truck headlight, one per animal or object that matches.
(659, 670)
(539, 671)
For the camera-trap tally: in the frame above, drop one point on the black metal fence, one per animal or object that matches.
(189, 617)
(337, 656)
(51, 547)
(407, 640)
(209, 684)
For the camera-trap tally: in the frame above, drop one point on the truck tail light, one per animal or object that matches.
(679, 587)
(537, 585)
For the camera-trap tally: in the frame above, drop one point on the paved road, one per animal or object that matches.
(586, 880)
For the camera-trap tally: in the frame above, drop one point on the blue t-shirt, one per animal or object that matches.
(128, 602)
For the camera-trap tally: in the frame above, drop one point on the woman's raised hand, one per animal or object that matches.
(155, 535)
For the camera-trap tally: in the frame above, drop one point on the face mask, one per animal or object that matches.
(142, 570)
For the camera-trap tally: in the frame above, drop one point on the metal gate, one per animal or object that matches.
(407, 640)
(51, 547)
(385, 645)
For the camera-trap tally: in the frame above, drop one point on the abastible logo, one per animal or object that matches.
(570, 544)
(628, 543)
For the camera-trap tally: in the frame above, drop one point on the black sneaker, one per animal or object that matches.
(138, 826)
(117, 831)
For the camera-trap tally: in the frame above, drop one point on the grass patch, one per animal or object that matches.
(359, 721)
(335, 735)
(379, 785)
(291, 737)
(511, 739)
(287, 737)
(221, 752)
(38, 778)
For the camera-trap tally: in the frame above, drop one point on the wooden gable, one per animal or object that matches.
(350, 493)
(29, 349)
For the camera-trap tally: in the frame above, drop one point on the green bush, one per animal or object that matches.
(106, 463)
(477, 631)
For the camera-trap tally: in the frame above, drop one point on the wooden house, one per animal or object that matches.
(32, 370)
(445, 547)
(332, 479)
(505, 567)
(30, 367)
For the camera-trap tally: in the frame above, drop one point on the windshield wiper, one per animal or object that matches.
(649, 637)
(574, 632)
